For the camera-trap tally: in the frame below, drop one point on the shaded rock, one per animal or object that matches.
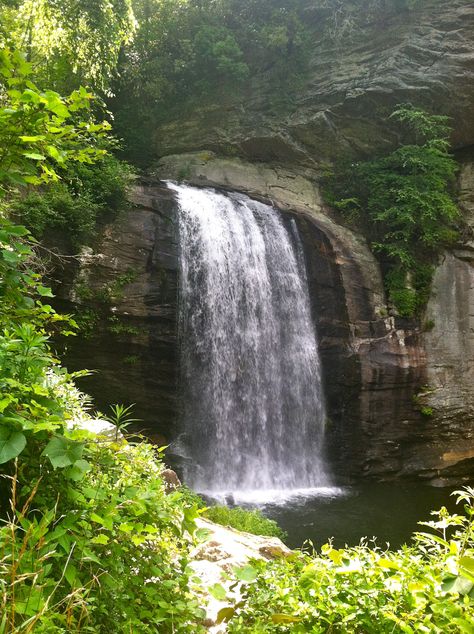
(125, 289)
(171, 480)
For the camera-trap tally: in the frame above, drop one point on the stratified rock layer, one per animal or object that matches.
(125, 292)
(358, 71)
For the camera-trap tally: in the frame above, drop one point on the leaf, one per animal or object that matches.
(32, 139)
(218, 592)
(285, 618)
(12, 444)
(35, 156)
(63, 452)
(225, 614)
(78, 470)
(466, 565)
(459, 585)
(71, 575)
(44, 291)
(5, 402)
(202, 534)
(246, 573)
(100, 539)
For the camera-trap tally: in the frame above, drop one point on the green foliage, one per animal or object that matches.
(90, 541)
(405, 203)
(85, 196)
(250, 521)
(69, 42)
(120, 416)
(41, 131)
(103, 551)
(427, 587)
(187, 54)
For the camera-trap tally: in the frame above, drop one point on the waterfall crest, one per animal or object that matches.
(253, 403)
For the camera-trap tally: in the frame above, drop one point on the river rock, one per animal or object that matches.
(214, 559)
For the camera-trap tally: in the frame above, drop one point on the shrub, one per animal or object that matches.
(250, 521)
(405, 203)
(86, 195)
(427, 587)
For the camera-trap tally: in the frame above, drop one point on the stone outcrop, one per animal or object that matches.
(362, 64)
(214, 560)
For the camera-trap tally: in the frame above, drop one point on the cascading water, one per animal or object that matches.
(253, 404)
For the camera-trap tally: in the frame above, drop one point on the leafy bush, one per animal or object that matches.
(405, 204)
(89, 542)
(250, 521)
(102, 547)
(86, 195)
(427, 587)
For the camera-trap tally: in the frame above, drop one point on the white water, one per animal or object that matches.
(254, 413)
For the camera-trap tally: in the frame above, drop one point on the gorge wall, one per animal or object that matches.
(400, 392)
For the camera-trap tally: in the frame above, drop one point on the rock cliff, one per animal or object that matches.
(400, 395)
(360, 66)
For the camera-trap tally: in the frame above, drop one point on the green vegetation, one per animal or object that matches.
(88, 539)
(71, 42)
(426, 587)
(85, 196)
(405, 203)
(250, 521)
(187, 54)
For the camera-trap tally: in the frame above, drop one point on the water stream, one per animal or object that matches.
(253, 419)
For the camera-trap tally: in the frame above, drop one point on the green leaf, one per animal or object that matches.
(467, 565)
(33, 139)
(246, 573)
(63, 452)
(78, 470)
(44, 291)
(5, 402)
(225, 614)
(101, 539)
(459, 585)
(285, 618)
(35, 156)
(218, 592)
(12, 444)
(71, 575)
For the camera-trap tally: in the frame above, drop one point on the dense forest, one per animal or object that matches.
(90, 538)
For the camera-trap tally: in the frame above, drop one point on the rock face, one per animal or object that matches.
(380, 372)
(400, 396)
(362, 64)
(125, 295)
(449, 345)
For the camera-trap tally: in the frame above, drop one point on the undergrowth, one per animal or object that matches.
(427, 587)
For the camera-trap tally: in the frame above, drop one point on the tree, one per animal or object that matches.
(70, 42)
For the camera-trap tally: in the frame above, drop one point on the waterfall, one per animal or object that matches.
(254, 412)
